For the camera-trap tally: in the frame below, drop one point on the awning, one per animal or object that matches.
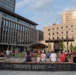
(39, 46)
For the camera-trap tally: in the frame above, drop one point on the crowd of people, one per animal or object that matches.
(53, 57)
(42, 56)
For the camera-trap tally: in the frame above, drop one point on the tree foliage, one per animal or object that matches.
(49, 46)
(62, 46)
(74, 48)
(71, 47)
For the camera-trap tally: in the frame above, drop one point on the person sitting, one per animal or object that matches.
(39, 53)
(66, 53)
(53, 56)
(62, 57)
(28, 57)
(43, 57)
(38, 58)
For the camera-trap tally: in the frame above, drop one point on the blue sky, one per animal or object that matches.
(44, 12)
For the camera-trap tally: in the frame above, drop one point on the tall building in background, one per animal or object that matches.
(8, 4)
(69, 16)
(39, 36)
(65, 32)
(55, 34)
(16, 31)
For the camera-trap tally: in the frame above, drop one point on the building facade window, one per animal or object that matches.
(52, 33)
(49, 33)
(48, 29)
(57, 28)
(62, 37)
(66, 31)
(8, 5)
(53, 29)
(61, 32)
(49, 38)
(57, 37)
(15, 33)
(53, 38)
(71, 25)
(57, 33)
(61, 27)
(66, 26)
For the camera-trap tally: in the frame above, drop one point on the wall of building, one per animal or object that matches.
(8, 5)
(58, 31)
(16, 32)
(69, 16)
(39, 36)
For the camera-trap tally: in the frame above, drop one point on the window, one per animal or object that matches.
(57, 27)
(61, 27)
(57, 33)
(57, 37)
(62, 32)
(62, 37)
(71, 25)
(48, 29)
(7, 22)
(53, 37)
(66, 31)
(53, 29)
(66, 26)
(49, 33)
(49, 38)
(53, 33)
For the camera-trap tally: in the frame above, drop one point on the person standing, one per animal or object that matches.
(28, 57)
(53, 56)
(38, 58)
(7, 53)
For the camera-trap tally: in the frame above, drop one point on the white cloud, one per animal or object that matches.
(21, 3)
(68, 9)
(44, 12)
(40, 4)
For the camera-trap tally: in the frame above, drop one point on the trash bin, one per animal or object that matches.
(74, 59)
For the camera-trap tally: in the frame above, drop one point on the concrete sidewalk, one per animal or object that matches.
(36, 73)
(2, 58)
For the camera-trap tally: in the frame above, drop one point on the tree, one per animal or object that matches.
(49, 46)
(71, 47)
(74, 48)
(62, 46)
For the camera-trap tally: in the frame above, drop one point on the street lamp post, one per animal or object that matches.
(67, 39)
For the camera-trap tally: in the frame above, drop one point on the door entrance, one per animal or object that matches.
(56, 46)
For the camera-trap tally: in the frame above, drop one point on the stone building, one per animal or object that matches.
(66, 32)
